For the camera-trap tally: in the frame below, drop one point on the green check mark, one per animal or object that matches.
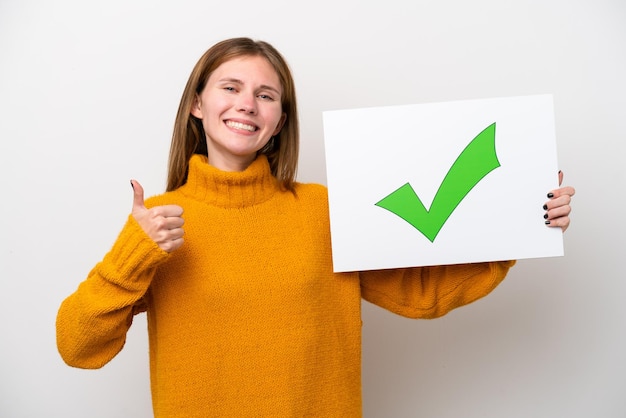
(476, 161)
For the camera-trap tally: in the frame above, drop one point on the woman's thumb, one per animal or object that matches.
(138, 203)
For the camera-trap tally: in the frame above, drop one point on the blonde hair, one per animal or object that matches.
(189, 138)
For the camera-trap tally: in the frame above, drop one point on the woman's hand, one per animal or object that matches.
(161, 223)
(558, 207)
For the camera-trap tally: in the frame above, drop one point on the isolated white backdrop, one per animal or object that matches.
(88, 94)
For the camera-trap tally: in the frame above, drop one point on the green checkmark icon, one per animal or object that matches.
(476, 161)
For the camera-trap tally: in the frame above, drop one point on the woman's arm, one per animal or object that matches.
(92, 322)
(431, 292)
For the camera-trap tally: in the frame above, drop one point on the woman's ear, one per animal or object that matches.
(280, 125)
(196, 108)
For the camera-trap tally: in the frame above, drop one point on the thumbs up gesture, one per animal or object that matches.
(162, 223)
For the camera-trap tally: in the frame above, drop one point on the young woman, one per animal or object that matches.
(246, 317)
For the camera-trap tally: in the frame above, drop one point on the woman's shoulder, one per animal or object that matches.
(311, 190)
(313, 187)
(312, 201)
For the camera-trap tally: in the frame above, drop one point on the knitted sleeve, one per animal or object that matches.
(431, 292)
(92, 323)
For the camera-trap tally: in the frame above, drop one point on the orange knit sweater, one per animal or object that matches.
(247, 318)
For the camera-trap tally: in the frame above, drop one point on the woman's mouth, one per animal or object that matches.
(240, 125)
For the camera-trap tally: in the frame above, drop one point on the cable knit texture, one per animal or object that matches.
(247, 318)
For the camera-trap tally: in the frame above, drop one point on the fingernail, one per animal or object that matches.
(545, 207)
(132, 185)
(550, 195)
(547, 222)
(545, 216)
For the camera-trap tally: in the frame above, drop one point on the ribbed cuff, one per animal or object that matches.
(133, 254)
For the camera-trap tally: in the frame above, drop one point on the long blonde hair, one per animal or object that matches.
(189, 138)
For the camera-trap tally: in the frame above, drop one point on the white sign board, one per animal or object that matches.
(441, 183)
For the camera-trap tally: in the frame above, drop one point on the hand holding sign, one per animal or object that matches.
(558, 207)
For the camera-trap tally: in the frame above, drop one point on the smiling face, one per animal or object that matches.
(240, 108)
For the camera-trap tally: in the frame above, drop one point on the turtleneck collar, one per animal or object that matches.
(230, 189)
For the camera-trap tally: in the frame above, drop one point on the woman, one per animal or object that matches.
(246, 317)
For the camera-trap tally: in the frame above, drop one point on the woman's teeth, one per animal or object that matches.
(239, 125)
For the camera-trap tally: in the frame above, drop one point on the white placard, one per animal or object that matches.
(494, 160)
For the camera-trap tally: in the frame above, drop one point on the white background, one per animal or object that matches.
(88, 95)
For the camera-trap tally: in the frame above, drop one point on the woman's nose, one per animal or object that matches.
(246, 104)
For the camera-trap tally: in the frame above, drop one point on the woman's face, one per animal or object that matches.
(241, 110)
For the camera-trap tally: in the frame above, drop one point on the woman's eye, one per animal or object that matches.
(265, 97)
(229, 88)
